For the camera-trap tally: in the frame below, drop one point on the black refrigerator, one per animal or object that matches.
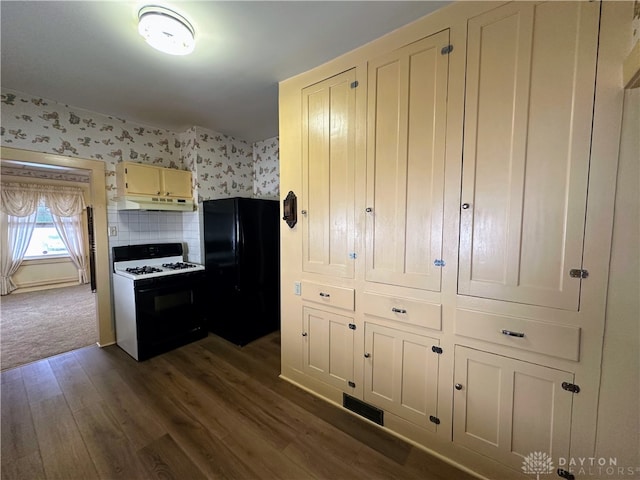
(242, 265)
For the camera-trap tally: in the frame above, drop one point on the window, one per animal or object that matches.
(45, 241)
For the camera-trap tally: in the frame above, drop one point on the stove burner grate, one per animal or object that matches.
(142, 270)
(177, 265)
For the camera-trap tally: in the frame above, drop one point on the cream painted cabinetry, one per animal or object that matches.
(452, 176)
(327, 223)
(140, 179)
(401, 373)
(328, 348)
(528, 114)
(407, 99)
(328, 163)
(507, 409)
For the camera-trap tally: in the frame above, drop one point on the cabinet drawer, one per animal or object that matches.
(561, 341)
(415, 312)
(339, 297)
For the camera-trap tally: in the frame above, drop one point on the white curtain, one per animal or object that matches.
(18, 203)
(66, 205)
(16, 234)
(71, 232)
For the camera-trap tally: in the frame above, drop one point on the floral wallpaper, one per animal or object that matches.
(223, 166)
(266, 169)
(34, 123)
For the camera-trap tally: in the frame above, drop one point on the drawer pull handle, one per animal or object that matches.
(325, 295)
(398, 310)
(512, 334)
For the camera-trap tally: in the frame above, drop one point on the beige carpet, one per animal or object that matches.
(36, 325)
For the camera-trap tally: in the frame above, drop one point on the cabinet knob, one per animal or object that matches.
(458, 386)
(368, 209)
(367, 355)
(158, 193)
(465, 206)
(303, 212)
(304, 334)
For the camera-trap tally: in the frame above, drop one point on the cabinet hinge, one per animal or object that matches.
(355, 84)
(353, 255)
(435, 420)
(439, 263)
(564, 474)
(578, 273)
(126, 184)
(352, 326)
(126, 170)
(446, 50)
(571, 387)
(436, 349)
(351, 384)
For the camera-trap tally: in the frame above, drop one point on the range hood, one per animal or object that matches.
(131, 202)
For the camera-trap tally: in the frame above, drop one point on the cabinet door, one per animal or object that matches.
(328, 347)
(528, 111)
(177, 183)
(507, 409)
(407, 99)
(401, 373)
(142, 179)
(328, 162)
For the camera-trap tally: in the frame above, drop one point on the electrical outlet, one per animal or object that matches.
(297, 288)
(113, 231)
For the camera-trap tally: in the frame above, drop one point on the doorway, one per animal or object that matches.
(97, 199)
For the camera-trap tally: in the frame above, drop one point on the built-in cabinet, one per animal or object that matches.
(328, 175)
(506, 409)
(149, 180)
(530, 80)
(406, 125)
(447, 232)
(328, 347)
(401, 373)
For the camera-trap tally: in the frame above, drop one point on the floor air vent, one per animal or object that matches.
(364, 409)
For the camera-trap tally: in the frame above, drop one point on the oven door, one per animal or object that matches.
(169, 312)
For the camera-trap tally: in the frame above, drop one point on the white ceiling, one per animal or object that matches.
(88, 54)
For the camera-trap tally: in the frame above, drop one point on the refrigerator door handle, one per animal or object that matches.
(239, 247)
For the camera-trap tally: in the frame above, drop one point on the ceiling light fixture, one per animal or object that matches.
(165, 30)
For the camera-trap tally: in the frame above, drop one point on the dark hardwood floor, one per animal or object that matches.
(206, 410)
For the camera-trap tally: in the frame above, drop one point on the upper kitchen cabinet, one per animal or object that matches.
(527, 138)
(407, 101)
(141, 179)
(328, 175)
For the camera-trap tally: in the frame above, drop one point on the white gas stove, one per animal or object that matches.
(156, 267)
(158, 297)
